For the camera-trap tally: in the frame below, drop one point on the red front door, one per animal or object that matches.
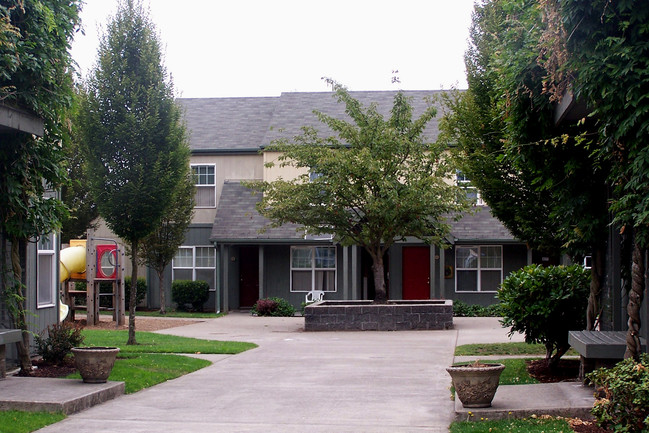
(416, 272)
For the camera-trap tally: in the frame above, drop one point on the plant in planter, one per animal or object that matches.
(95, 363)
(476, 383)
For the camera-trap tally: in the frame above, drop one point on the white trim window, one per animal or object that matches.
(478, 268)
(195, 263)
(46, 283)
(472, 193)
(205, 181)
(313, 268)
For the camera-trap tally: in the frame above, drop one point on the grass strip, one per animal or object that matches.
(143, 370)
(515, 372)
(179, 314)
(149, 342)
(526, 425)
(16, 421)
(514, 348)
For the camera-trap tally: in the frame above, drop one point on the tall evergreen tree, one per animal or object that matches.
(134, 138)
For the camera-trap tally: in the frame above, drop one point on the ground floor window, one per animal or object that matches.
(478, 268)
(46, 283)
(195, 263)
(313, 268)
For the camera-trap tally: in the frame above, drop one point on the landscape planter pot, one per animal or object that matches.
(475, 384)
(94, 363)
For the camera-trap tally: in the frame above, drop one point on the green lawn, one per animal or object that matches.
(503, 349)
(528, 425)
(15, 421)
(142, 370)
(149, 342)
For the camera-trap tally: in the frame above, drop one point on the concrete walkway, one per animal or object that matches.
(300, 382)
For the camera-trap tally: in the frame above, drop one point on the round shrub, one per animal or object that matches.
(185, 293)
(277, 307)
(545, 303)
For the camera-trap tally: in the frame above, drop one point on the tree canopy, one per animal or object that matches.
(135, 141)
(374, 183)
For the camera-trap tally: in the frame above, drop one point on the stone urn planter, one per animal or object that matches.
(475, 384)
(95, 363)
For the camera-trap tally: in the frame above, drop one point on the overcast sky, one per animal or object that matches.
(219, 48)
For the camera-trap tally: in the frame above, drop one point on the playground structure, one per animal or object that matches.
(91, 262)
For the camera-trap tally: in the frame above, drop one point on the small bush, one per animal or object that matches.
(185, 293)
(462, 309)
(277, 307)
(545, 303)
(624, 406)
(60, 339)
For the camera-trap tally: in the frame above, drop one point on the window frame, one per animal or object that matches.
(479, 268)
(193, 266)
(313, 269)
(462, 181)
(53, 283)
(196, 177)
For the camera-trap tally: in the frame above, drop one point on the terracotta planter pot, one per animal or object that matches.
(475, 385)
(94, 363)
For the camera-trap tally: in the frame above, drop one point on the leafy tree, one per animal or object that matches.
(607, 64)
(159, 248)
(76, 194)
(34, 76)
(374, 184)
(135, 142)
(541, 179)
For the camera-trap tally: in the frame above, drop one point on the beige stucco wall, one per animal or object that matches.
(273, 173)
(227, 167)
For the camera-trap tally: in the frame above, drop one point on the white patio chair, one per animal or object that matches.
(314, 296)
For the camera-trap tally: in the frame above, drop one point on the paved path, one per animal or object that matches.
(300, 382)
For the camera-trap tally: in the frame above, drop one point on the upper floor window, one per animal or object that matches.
(313, 268)
(46, 283)
(205, 181)
(478, 268)
(472, 193)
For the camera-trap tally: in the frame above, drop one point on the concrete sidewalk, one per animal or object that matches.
(309, 382)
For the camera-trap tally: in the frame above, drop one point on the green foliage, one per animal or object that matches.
(624, 406)
(58, 342)
(462, 309)
(186, 292)
(526, 425)
(15, 421)
(544, 303)
(377, 180)
(276, 307)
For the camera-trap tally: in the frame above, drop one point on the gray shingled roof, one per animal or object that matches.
(231, 124)
(480, 225)
(295, 110)
(227, 123)
(238, 220)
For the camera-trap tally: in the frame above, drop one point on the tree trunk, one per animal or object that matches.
(596, 275)
(633, 348)
(19, 313)
(133, 294)
(380, 294)
(163, 308)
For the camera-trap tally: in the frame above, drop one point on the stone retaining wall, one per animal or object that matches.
(366, 316)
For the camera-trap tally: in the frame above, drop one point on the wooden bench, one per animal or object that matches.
(7, 336)
(599, 348)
